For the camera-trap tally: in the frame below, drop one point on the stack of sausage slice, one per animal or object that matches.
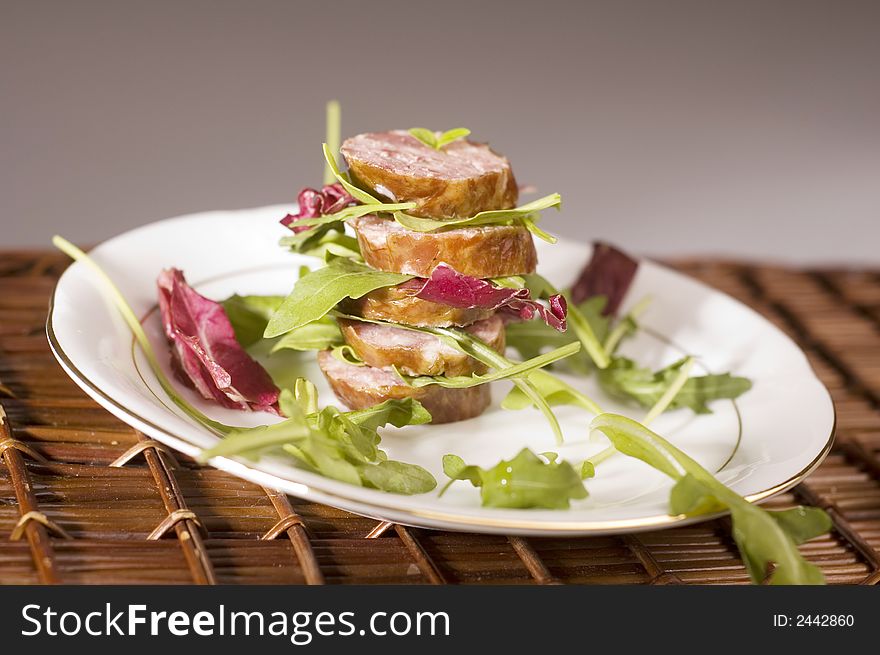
(457, 181)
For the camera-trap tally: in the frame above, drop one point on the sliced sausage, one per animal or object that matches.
(359, 387)
(399, 304)
(484, 251)
(417, 353)
(457, 181)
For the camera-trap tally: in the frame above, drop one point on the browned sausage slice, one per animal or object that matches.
(359, 387)
(417, 353)
(483, 252)
(399, 304)
(458, 181)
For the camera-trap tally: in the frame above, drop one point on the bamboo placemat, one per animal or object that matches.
(86, 499)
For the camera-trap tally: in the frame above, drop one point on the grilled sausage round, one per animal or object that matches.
(417, 353)
(457, 181)
(484, 251)
(359, 387)
(398, 304)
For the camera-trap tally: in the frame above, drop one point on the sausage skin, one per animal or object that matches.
(483, 252)
(416, 353)
(398, 304)
(359, 387)
(457, 181)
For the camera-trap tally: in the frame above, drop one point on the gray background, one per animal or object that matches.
(739, 128)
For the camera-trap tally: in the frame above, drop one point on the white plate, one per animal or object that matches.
(760, 445)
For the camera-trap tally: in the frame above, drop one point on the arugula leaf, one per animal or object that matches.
(355, 192)
(355, 211)
(454, 134)
(554, 390)
(586, 324)
(538, 285)
(369, 203)
(584, 320)
(763, 537)
(583, 330)
(347, 354)
(398, 478)
(249, 315)
(335, 444)
(530, 223)
(327, 233)
(319, 334)
(305, 394)
(321, 242)
(510, 282)
(398, 413)
(432, 140)
(470, 345)
(248, 442)
(626, 326)
(520, 368)
(318, 292)
(524, 215)
(593, 312)
(314, 241)
(426, 136)
(526, 481)
(625, 379)
(333, 128)
(531, 338)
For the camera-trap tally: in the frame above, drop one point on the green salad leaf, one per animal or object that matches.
(355, 192)
(320, 334)
(520, 368)
(524, 215)
(625, 327)
(482, 352)
(347, 354)
(526, 481)
(319, 291)
(763, 537)
(309, 241)
(585, 324)
(333, 129)
(327, 237)
(249, 316)
(620, 377)
(553, 390)
(582, 327)
(627, 380)
(335, 444)
(397, 477)
(469, 345)
(438, 141)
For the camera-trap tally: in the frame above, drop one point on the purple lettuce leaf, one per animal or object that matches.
(449, 287)
(314, 204)
(609, 273)
(204, 351)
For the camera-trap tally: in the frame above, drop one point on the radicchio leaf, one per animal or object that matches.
(204, 351)
(449, 287)
(609, 273)
(313, 204)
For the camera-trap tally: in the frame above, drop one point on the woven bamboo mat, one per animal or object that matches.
(85, 499)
